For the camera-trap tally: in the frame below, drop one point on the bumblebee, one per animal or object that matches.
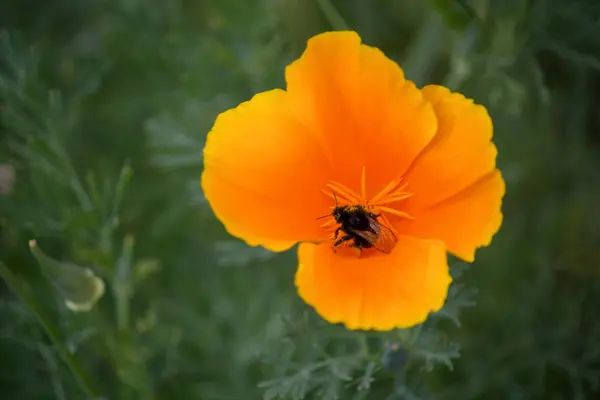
(360, 229)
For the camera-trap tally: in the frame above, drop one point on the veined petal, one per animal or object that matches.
(465, 221)
(460, 154)
(369, 116)
(457, 192)
(263, 173)
(380, 293)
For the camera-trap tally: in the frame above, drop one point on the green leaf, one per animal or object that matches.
(146, 267)
(331, 390)
(78, 286)
(122, 182)
(122, 282)
(271, 393)
(341, 370)
(404, 392)
(25, 294)
(457, 14)
(433, 349)
(459, 297)
(276, 388)
(367, 378)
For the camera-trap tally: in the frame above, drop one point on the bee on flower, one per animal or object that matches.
(376, 179)
(360, 228)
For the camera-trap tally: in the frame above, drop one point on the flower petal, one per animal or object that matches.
(368, 114)
(460, 154)
(264, 172)
(465, 221)
(378, 292)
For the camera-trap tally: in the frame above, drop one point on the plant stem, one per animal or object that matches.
(422, 54)
(122, 283)
(22, 292)
(59, 391)
(332, 15)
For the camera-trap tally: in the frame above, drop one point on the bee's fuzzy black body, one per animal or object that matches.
(354, 221)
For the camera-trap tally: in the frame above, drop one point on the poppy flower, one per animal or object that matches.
(350, 129)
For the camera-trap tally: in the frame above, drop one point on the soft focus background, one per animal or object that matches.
(104, 107)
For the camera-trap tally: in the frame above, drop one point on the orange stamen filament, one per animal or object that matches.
(396, 212)
(394, 191)
(392, 185)
(363, 186)
(329, 224)
(394, 199)
(344, 192)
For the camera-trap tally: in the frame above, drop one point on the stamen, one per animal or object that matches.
(394, 199)
(363, 185)
(396, 212)
(379, 204)
(342, 190)
(400, 190)
(329, 224)
(384, 191)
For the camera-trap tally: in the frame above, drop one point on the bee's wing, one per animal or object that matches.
(380, 236)
(369, 236)
(386, 239)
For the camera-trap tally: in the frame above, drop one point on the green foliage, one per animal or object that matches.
(103, 115)
(457, 13)
(79, 287)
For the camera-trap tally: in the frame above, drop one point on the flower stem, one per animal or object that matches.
(332, 15)
(422, 54)
(22, 292)
(122, 283)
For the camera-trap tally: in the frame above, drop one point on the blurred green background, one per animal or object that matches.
(104, 107)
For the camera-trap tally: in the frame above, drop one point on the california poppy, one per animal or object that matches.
(350, 127)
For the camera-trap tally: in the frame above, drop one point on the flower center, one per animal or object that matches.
(362, 224)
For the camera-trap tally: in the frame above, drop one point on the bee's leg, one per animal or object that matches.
(335, 238)
(360, 251)
(356, 247)
(341, 240)
(337, 233)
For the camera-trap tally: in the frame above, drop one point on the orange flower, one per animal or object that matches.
(350, 124)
